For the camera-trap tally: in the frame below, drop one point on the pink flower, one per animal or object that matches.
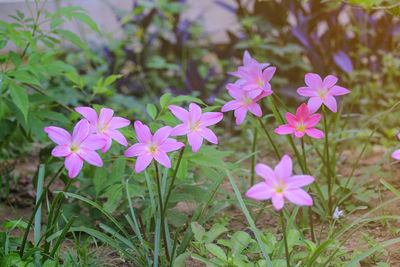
(396, 154)
(105, 125)
(195, 125)
(280, 184)
(242, 103)
(321, 91)
(152, 146)
(81, 146)
(301, 124)
(254, 77)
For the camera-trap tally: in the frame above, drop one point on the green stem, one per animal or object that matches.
(161, 208)
(277, 152)
(310, 215)
(328, 165)
(253, 157)
(21, 251)
(285, 238)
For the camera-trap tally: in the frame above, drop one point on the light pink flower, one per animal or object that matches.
(152, 146)
(396, 154)
(242, 103)
(105, 125)
(302, 123)
(195, 125)
(280, 184)
(321, 91)
(254, 77)
(76, 148)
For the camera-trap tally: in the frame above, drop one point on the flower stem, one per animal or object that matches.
(285, 238)
(38, 202)
(310, 215)
(277, 152)
(253, 157)
(328, 164)
(161, 209)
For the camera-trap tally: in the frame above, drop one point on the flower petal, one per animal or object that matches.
(299, 197)
(315, 133)
(307, 91)
(94, 142)
(278, 201)
(255, 109)
(195, 140)
(210, 118)
(291, 118)
(284, 167)
(118, 122)
(89, 113)
(91, 157)
(58, 135)
(142, 162)
(162, 158)
(161, 134)
(329, 81)
(105, 115)
(231, 105)
(107, 145)
(61, 151)
(73, 164)
(396, 154)
(284, 129)
(313, 80)
(260, 191)
(246, 58)
(268, 73)
(81, 131)
(338, 90)
(180, 129)
(136, 150)
(143, 133)
(302, 112)
(171, 145)
(209, 135)
(330, 102)
(181, 113)
(265, 172)
(313, 120)
(299, 134)
(117, 136)
(297, 181)
(314, 103)
(194, 112)
(240, 115)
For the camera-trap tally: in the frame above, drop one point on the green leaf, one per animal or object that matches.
(164, 99)
(56, 22)
(114, 194)
(72, 37)
(15, 223)
(181, 259)
(187, 98)
(176, 218)
(240, 240)
(87, 20)
(20, 99)
(198, 231)
(117, 171)
(100, 180)
(217, 251)
(110, 79)
(73, 77)
(151, 110)
(215, 231)
(15, 59)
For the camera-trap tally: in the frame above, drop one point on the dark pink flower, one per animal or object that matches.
(195, 125)
(302, 123)
(152, 146)
(76, 148)
(105, 125)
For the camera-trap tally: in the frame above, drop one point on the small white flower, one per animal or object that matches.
(338, 213)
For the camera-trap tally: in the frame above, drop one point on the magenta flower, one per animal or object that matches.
(280, 184)
(105, 125)
(76, 148)
(254, 77)
(321, 91)
(195, 125)
(152, 146)
(302, 123)
(396, 154)
(242, 103)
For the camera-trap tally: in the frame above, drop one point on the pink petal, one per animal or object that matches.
(171, 145)
(315, 133)
(307, 91)
(260, 191)
(91, 157)
(313, 80)
(313, 120)
(299, 197)
(231, 105)
(142, 132)
(265, 172)
(299, 134)
(161, 134)
(291, 118)
(396, 154)
(297, 181)
(330, 102)
(118, 122)
(268, 73)
(314, 103)
(284, 168)
(136, 150)
(73, 164)
(278, 201)
(209, 135)
(58, 135)
(87, 112)
(329, 81)
(210, 118)
(240, 115)
(181, 113)
(398, 135)
(264, 65)
(162, 158)
(180, 129)
(194, 112)
(105, 115)
(255, 93)
(195, 140)
(117, 136)
(94, 142)
(255, 109)
(81, 131)
(338, 90)
(107, 145)
(302, 112)
(61, 151)
(246, 58)
(284, 129)
(142, 162)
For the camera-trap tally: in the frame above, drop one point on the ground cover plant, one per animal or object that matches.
(246, 175)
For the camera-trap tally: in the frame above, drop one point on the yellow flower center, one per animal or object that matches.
(323, 92)
(280, 188)
(301, 127)
(195, 126)
(260, 82)
(101, 127)
(152, 148)
(246, 101)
